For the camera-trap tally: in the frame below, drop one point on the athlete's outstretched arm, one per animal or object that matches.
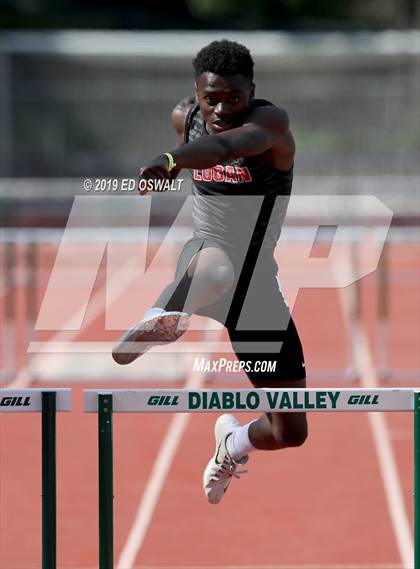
(266, 129)
(269, 127)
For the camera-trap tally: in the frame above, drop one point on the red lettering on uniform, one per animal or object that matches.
(218, 174)
(206, 174)
(230, 175)
(243, 174)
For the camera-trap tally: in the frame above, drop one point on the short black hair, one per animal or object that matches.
(224, 57)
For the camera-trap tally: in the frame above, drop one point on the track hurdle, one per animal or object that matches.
(48, 402)
(106, 403)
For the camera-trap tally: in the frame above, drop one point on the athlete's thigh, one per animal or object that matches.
(199, 251)
(209, 258)
(200, 257)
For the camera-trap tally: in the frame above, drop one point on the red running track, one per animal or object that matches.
(322, 505)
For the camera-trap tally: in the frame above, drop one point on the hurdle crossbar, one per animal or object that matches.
(105, 403)
(48, 402)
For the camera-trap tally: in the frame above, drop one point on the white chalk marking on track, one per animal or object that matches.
(157, 479)
(384, 451)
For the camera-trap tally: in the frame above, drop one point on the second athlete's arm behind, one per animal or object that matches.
(158, 168)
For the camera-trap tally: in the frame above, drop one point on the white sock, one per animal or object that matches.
(153, 312)
(238, 443)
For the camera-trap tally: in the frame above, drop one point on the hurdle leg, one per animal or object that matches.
(352, 372)
(49, 508)
(383, 314)
(106, 533)
(9, 333)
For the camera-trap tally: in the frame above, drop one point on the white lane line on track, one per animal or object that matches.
(384, 451)
(156, 481)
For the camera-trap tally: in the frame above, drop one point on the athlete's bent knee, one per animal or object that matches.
(220, 279)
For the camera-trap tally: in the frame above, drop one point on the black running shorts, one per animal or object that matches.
(256, 316)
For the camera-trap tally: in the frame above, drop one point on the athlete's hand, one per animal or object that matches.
(156, 170)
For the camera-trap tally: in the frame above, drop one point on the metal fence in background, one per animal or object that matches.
(98, 103)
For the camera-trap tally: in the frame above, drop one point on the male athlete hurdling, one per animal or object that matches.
(240, 153)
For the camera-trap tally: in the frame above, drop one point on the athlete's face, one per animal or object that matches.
(223, 101)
